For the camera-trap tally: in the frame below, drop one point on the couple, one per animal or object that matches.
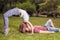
(26, 25)
(47, 28)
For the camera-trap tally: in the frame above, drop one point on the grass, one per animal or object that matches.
(14, 34)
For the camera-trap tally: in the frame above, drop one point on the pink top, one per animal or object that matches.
(38, 28)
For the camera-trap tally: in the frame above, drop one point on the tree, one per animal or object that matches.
(48, 5)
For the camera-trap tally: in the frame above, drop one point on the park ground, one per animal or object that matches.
(14, 34)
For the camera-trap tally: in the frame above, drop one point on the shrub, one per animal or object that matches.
(58, 7)
(27, 6)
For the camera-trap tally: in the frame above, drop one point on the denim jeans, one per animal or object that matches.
(47, 25)
(6, 22)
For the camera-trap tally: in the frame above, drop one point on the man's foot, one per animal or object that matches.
(6, 31)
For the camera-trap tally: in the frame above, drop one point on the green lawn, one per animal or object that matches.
(14, 34)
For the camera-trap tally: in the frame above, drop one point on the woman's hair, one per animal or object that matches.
(22, 27)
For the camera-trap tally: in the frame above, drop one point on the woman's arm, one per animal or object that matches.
(30, 26)
(41, 31)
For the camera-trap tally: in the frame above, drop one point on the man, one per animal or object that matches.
(15, 11)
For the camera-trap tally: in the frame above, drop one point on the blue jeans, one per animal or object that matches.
(47, 25)
(6, 22)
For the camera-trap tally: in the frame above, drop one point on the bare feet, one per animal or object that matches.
(6, 31)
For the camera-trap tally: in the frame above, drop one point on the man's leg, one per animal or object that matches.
(6, 29)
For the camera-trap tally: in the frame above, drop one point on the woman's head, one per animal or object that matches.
(23, 27)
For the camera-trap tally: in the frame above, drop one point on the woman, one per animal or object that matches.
(37, 29)
(48, 28)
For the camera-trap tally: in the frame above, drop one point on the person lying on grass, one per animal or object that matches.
(48, 28)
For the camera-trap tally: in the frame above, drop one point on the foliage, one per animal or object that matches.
(58, 7)
(29, 5)
(48, 5)
(7, 7)
(26, 5)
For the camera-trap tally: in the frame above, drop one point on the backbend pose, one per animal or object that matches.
(15, 11)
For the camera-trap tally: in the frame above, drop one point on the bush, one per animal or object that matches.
(6, 7)
(58, 7)
(27, 6)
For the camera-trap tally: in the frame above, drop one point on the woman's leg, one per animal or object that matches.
(53, 29)
(50, 26)
(48, 23)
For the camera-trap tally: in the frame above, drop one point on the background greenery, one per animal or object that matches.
(37, 7)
